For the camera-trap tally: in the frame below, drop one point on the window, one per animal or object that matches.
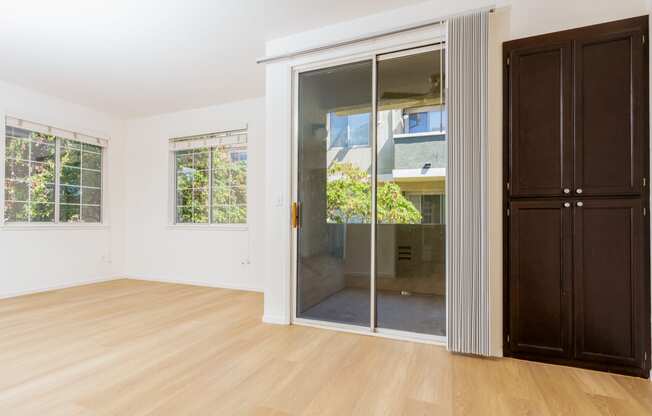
(238, 156)
(425, 120)
(211, 183)
(431, 207)
(50, 179)
(349, 130)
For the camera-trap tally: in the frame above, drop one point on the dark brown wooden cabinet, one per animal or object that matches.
(540, 99)
(577, 286)
(540, 278)
(609, 291)
(609, 119)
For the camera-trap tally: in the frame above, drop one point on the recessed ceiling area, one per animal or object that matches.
(139, 58)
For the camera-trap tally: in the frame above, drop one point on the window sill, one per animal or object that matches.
(423, 134)
(208, 227)
(44, 227)
(353, 146)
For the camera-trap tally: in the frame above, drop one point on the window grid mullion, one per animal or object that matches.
(57, 180)
(29, 180)
(210, 185)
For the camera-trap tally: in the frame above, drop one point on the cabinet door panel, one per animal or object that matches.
(608, 114)
(608, 281)
(540, 123)
(539, 270)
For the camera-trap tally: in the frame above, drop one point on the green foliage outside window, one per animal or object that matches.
(348, 199)
(30, 178)
(227, 181)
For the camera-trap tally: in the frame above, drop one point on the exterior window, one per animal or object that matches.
(238, 156)
(49, 179)
(431, 207)
(432, 120)
(211, 185)
(349, 130)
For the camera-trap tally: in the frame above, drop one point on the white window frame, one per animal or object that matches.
(56, 224)
(172, 187)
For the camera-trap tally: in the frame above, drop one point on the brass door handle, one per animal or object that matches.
(295, 215)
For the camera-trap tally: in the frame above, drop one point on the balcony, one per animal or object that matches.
(419, 156)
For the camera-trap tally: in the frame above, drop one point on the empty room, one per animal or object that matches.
(300, 207)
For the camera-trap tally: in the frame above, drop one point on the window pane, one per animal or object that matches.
(41, 192)
(41, 212)
(200, 196)
(239, 195)
(70, 156)
(16, 211)
(91, 196)
(184, 197)
(17, 133)
(16, 169)
(418, 123)
(229, 186)
(69, 213)
(70, 176)
(200, 160)
(44, 138)
(42, 172)
(221, 214)
(184, 214)
(70, 194)
(359, 129)
(239, 214)
(92, 161)
(184, 160)
(42, 152)
(199, 213)
(70, 144)
(91, 178)
(339, 126)
(91, 148)
(16, 148)
(16, 190)
(91, 214)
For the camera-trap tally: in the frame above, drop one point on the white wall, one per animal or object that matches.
(513, 19)
(45, 258)
(210, 256)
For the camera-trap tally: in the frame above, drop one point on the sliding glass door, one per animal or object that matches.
(411, 159)
(344, 275)
(334, 194)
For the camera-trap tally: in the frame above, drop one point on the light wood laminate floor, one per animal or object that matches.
(129, 347)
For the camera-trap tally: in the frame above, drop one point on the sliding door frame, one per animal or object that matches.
(374, 55)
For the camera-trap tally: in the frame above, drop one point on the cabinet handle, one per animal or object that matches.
(579, 190)
(580, 204)
(566, 191)
(567, 204)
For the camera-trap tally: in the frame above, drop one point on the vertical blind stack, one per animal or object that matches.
(467, 291)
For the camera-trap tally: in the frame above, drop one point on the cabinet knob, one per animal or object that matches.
(566, 191)
(567, 204)
(580, 204)
(579, 190)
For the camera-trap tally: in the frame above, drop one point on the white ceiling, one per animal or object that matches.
(141, 57)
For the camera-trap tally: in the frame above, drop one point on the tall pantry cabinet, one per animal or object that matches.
(576, 197)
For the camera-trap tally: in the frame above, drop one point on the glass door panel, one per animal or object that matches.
(411, 193)
(334, 194)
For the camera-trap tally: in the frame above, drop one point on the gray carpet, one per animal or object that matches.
(424, 314)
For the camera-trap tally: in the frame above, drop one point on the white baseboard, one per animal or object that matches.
(276, 320)
(195, 283)
(8, 295)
